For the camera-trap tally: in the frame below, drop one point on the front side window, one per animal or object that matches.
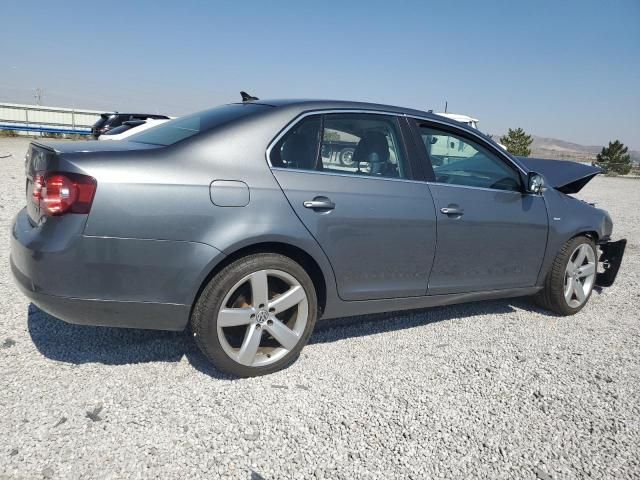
(459, 161)
(346, 143)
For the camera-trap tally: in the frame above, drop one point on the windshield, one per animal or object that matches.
(181, 128)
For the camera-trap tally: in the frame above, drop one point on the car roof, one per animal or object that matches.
(317, 104)
(136, 114)
(151, 115)
(297, 107)
(458, 117)
(300, 106)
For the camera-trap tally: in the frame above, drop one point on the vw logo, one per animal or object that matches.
(262, 316)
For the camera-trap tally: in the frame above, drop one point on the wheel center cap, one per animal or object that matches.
(262, 316)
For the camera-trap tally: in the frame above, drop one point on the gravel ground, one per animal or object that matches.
(488, 390)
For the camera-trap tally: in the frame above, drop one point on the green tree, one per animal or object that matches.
(614, 159)
(331, 136)
(517, 142)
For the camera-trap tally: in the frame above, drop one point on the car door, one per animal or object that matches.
(362, 211)
(491, 234)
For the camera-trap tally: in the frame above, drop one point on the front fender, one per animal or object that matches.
(569, 217)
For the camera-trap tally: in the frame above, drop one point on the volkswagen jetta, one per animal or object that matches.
(239, 222)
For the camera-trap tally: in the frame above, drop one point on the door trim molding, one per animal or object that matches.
(363, 177)
(496, 190)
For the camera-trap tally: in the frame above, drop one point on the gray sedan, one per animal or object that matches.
(232, 222)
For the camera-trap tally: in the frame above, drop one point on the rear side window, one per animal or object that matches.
(346, 143)
(182, 128)
(362, 144)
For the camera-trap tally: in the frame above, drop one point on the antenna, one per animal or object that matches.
(247, 98)
(446, 104)
(38, 96)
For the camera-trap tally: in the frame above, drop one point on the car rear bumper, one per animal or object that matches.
(106, 313)
(611, 258)
(107, 281)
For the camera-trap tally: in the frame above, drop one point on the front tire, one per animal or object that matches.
(570, 282)
(255, 316)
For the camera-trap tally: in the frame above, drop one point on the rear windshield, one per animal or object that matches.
(181, 128)
(102, 120)
(116, 120)
(120, 129)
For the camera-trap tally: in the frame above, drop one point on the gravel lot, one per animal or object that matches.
(490, 390)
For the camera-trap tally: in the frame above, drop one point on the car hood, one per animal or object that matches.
(563, 175)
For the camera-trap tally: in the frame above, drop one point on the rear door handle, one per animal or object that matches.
(453, 211)
(319, 203)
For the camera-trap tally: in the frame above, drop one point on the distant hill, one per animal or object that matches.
(556, 149)
(559, 149)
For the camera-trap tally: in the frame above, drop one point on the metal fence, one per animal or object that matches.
(37, 118)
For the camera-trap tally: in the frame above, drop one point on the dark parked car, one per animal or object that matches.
(233, 222)
(125, 127)
(109, 121)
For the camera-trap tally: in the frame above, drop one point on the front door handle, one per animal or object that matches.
(453, 211)
(319, 203)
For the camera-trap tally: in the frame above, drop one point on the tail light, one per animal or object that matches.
(60, 193)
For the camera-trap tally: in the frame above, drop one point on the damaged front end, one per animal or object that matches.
(611, 259)
(563, 175)
(578, 216)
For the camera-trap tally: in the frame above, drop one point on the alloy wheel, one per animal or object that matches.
(263, 317)
(579, 275)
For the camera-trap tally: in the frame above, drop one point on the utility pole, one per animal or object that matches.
(38, 96)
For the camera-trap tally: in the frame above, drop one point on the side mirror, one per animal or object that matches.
(535, 183)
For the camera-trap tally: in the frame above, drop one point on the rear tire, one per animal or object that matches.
(255, 316)
(568, 286)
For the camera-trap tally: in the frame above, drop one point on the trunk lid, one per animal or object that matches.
(67, 157)
(92, 146)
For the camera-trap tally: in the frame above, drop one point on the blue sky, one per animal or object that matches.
(564, 69)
